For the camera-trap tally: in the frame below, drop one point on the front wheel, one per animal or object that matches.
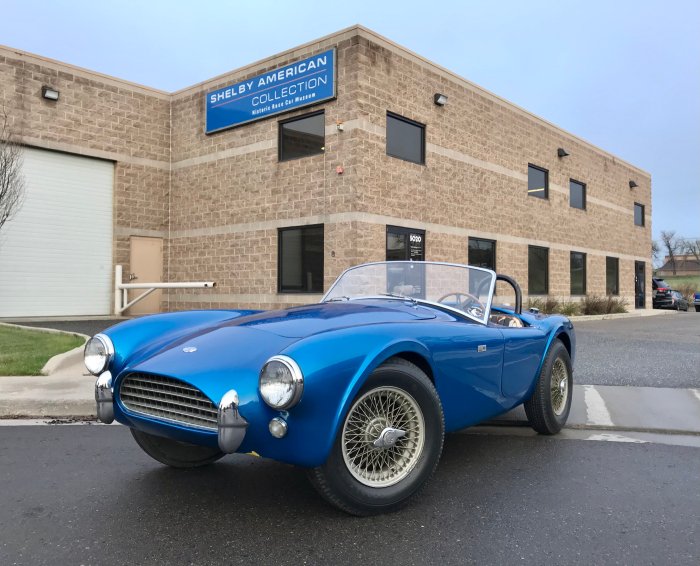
(174, 453)
(548, 408)
(389, 444)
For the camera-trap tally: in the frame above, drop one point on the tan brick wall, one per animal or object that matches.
(219, 199)
(100, 117)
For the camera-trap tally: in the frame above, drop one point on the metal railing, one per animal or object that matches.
(121, 297)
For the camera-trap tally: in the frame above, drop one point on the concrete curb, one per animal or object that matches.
(65, 360)
(635, 314)
(59, 361)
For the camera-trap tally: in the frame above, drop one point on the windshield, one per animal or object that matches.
(468, 290)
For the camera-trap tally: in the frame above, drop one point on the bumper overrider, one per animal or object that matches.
(231, 426)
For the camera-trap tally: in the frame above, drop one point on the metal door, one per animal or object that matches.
(639, 285)
(146, 266)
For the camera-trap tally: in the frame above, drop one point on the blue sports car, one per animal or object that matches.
(360, 388)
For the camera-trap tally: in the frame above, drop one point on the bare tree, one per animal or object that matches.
(655, 251)
(11, 178)
(692, 247)
(672, 246)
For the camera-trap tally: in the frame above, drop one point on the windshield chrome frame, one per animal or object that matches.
(487, 307)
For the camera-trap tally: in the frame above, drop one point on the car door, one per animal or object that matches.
(523, 349)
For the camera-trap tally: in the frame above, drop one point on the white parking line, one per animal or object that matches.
(609, 437)
(696, 392)
(596, 411)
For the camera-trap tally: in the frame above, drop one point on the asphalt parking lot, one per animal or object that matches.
(654, 351)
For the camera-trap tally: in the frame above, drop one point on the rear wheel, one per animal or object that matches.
(174, 453)
(389, 443)
(548, 408)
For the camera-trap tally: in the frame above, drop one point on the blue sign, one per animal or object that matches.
(305, 82)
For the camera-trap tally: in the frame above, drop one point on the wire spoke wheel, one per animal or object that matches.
(559, 386)
(383, 437)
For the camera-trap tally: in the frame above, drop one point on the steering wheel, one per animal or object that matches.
(470, 304)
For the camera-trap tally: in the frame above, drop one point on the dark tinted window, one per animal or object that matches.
(405, 139)
(300, 262)
(537, 270)
(482, 253)
(660, 283)
(303, 136)
(404, 244)
(612, 276)
(577, 194)
(638, 214)
(537, 182)
(578, 273)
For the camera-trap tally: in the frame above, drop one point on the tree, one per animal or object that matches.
(672, 246)
(655, 251)
(692, 248)
(11, 178)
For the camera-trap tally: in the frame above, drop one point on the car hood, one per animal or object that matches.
(243, 344)
(299, 322)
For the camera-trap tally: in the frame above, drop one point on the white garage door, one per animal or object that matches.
(56, 254)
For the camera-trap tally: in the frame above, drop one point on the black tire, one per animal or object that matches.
(174, 453)
(546, 415)
(697, 308)
(339, 485)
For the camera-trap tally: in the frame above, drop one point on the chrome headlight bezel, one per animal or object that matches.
(108, 346)
(297, 383)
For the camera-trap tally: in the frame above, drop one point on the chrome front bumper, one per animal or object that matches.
(104, 396)
(231, 426)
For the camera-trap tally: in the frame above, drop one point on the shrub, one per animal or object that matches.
(569, 308)
(687, 290)
(547, 305)
(593, 304)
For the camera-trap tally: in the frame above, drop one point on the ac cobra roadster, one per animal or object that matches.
(359, 388)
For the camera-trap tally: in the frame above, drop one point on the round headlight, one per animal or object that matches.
(98, 352)
(281, 382)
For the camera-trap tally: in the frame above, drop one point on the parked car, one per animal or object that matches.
(696, 301)
(360, 388)
(679, 301)
(661, 294)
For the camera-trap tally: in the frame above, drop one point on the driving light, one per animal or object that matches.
(278, 427)
(281, 382)
(98, 352)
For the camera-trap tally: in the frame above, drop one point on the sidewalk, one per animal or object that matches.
(70, 392)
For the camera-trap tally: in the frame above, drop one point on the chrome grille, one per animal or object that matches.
(167, 399)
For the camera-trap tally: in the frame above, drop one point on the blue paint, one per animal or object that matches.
(302, 83)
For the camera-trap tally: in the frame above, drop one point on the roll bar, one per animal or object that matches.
(518, 293)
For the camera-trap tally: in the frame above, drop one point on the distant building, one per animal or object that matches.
(273, 178)
(686, 264)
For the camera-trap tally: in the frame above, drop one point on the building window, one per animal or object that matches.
(577, 269)
(405, 139)
(577, 194)
(404, 244)
(537, 182)
(612, 276)
(638, 214)
(537, 270)
(482, 253)
(301, 137)
(300, 259)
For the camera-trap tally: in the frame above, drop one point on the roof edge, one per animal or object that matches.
(400, 49)
(68, 67)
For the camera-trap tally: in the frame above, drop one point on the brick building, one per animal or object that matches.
(274, 209)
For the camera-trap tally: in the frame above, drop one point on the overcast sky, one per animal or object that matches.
(622, 74)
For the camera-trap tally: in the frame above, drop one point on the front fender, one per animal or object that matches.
(335, 365)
